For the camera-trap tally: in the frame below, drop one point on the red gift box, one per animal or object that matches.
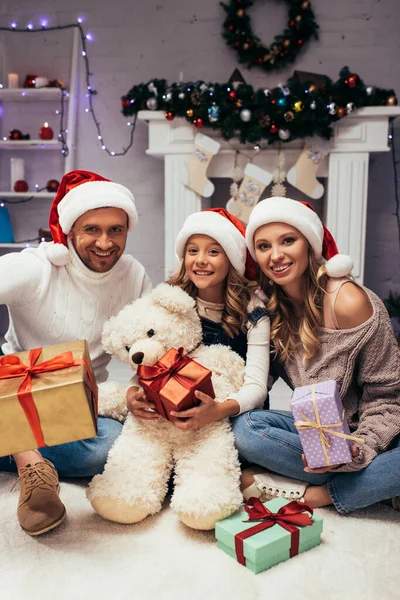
(170, 383)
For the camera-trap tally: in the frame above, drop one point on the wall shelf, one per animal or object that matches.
(27, 194)
(30, 145)
(31, 95)
(18, 245)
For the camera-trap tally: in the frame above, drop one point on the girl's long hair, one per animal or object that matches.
(237, 297)
(287, 329)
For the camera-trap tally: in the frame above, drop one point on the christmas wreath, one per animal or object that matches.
(238, 32)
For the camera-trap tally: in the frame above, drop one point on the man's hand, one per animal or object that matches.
(355, 451)
(139, 406)
(207, 412)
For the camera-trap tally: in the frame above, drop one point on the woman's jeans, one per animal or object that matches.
(85, 458)
(270, 439)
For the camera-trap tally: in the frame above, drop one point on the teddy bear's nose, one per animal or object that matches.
(137, 357)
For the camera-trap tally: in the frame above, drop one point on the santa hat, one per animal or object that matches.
(78, 192)
(224, 228)
(302, 216)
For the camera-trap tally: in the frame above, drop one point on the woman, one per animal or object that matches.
(323, 326)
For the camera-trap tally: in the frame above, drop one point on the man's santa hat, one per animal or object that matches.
(302, 216)
(78, 192)
(224, 228)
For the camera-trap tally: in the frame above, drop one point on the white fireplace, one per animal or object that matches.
(346, 169)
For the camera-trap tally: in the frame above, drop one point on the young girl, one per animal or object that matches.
(323, 326)
(214, 269)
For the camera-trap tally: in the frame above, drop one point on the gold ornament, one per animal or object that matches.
(264, 121)
(298, 106)
(195, 98)
(298, 19)
(239, 103)
(288, 116)
(240, 12)
(304, 5)
(286, 43)
(189, 112)
(267, 57)
(312, 88)
(341, 112)
(391, 101)
(245, 46)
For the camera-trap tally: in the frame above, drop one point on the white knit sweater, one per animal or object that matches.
(51, 305)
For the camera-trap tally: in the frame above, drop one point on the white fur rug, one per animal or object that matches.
(89, 558)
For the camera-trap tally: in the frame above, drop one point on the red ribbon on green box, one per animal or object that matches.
(290, 516)
(12, 366)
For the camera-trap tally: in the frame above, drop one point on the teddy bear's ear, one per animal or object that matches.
(172, 298)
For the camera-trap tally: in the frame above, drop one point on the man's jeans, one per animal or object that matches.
(85, 458)
(270, 439)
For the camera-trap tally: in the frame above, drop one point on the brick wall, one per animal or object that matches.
(136, 41)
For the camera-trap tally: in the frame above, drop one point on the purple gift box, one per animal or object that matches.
(324, 399)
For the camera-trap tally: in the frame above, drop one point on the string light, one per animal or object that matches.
(90, 91)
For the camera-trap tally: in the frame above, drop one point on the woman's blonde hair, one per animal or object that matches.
(285, 326)
(237, 297)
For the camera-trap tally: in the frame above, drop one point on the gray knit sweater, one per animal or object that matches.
(365, 360)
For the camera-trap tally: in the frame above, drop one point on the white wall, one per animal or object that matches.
(138, 40)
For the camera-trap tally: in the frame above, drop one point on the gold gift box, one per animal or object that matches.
(65, 400)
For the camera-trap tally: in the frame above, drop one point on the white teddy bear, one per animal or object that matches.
(205, 462)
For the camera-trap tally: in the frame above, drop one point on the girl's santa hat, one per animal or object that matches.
(302, 216)
(78, 192)
(224, 228)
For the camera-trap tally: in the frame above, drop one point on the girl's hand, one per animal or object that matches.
(207, 412)
(139, 406)
(355, 451)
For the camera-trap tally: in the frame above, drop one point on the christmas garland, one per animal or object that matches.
(294, 110)
(238, 33)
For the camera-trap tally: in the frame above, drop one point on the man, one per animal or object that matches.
(63, 291)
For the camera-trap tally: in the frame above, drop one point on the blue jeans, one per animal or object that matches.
(270, 439)
(85, 458)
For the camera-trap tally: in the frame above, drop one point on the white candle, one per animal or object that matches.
(180, 77)
(17, 170)
(13, 80)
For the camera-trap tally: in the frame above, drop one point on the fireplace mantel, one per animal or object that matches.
(346, 168)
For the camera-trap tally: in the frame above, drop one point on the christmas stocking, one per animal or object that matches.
(196, 178)
(302, 175)
(254, 182)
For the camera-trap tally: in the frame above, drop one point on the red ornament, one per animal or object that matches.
(46, 132)
(21, 186)
(273, 129)
(273, 101)
(169, 115)
(126, 102)
(199, 123)
(52, 185)
(300, 42)
(353, 80)
(260, 60)
(230, 27)
(30, 81)
(232, 95)
(291, 23)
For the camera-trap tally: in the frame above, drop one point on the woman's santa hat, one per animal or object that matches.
(78, 192)
(224, 228)
(302, 216)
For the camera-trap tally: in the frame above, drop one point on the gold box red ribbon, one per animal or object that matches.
(48, 396)
(171, 382)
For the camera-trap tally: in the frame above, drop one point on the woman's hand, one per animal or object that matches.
(138, 405)
(207, 412)
(355, 451)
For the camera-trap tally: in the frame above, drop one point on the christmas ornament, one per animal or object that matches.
(232, 95)
(195, 176)
(352, 80)
(190, 112)
(181, 95)
(273, 128)
(392, 101)
(52, 185)
(298, 106)
(349, 107)
(341, 112)
(213, 113)
(288, 116)
(267, 93)
(125, 102)
(264, 121)
(152, 104)
(245, 115)
(16, 134)
(21, 186)
(199, 123)
(302, 174)
(169, 115)
(284, 134)
(332, 108)
(313, 105)
(195, 98)
(46, 132)
(30, 81)
(369, 90)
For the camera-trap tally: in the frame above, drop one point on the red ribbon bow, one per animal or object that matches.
(160, 373)
(12, 366)
(290, 516)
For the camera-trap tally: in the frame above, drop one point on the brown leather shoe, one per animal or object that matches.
(40, 508)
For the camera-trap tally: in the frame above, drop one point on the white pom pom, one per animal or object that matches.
(339, 266)
(57, 254)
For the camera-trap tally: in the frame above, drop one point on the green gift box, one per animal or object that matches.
(266, 547)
